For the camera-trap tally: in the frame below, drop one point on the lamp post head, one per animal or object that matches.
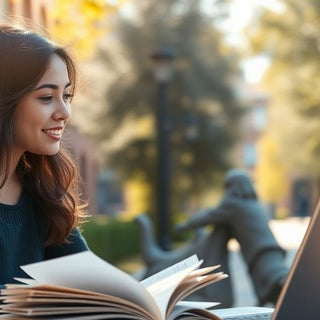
(162, 64)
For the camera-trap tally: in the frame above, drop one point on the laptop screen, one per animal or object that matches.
(300, 296)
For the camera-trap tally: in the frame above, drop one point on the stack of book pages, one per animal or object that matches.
(84, 286)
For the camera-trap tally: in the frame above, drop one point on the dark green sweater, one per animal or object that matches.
(22, 236)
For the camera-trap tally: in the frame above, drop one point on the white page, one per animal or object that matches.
(27, 281)
(169, 271)
(162, 285)
(186, 306)
(86, 271)
(197, 304)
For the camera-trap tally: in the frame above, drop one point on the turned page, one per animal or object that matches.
(162, 284)
(86, 271)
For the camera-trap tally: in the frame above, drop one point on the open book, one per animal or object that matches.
(84, 286)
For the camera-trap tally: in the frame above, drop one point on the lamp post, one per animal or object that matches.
(162, 66)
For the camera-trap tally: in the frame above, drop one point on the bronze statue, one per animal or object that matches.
(212, 247)
(239, 215)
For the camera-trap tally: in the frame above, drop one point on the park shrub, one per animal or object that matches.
(111, 238)
(115, 239)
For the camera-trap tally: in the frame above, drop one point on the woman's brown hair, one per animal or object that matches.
(51, 181)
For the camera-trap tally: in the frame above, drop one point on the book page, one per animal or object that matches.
(167, 272)
(78, 317)
(162, 285)
(192, 285)
(27, 281)
(197, 304)
(86, 271)
(193, 310)
(29, 297)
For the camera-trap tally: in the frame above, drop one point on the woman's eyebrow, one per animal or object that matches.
(51, 86)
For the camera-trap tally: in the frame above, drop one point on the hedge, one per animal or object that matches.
(111, 239)
(115, 240)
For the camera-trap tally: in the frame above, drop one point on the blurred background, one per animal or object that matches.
(173, 93)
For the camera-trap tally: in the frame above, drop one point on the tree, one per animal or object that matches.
(203, 109)
(81, 23)
(271, 175)
(291, 38)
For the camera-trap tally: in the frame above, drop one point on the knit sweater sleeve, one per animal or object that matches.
(76, 243)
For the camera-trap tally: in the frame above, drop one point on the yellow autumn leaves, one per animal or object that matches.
(79, 24)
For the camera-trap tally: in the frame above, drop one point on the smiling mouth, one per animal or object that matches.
(55, 134)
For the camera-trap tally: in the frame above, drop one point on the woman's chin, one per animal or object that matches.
(49, 151)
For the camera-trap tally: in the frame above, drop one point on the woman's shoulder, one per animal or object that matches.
(75, 243)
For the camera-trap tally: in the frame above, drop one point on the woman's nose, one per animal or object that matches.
(63, 111)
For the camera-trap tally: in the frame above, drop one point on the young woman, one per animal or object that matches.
(39, 204)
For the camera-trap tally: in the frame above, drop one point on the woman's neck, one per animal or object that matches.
(10, 192)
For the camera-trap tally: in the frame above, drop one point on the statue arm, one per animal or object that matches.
(204, 217)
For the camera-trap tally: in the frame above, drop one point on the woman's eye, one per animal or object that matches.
(68, 97)
(46, 98)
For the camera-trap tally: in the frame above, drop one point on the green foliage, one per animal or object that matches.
(116, 241)
(111, 239)
(203, 111)
(291, 38)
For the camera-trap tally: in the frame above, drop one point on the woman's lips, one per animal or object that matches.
(55, 133)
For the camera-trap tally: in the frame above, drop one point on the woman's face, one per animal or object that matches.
(41, 116)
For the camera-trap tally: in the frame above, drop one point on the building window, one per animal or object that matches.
(249, 155)
(259, 118)
(10, 7)
(83, 167)
(84, 174)
(27, 11)
(43, 17)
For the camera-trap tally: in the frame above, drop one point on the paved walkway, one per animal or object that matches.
(289, 232)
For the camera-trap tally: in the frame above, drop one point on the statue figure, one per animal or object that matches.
(241, 216)
(211, 246)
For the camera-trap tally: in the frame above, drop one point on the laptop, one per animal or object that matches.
(300, 296)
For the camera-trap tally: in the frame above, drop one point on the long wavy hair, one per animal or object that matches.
(51, 181)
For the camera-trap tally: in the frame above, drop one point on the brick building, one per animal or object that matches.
(81, 147)
(35, 10)
(303, 191)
